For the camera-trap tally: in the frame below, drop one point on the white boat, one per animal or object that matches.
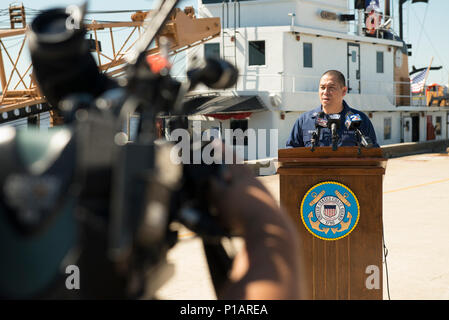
(282, 47)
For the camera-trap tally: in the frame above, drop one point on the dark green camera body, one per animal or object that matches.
(37, 222)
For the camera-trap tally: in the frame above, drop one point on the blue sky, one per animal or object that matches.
(32, 7)
(425, 26)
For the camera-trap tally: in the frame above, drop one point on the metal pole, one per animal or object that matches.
(235, 15)
(227, 15)
(223, 13)
(2, 72)
(387, 10)
(235, 36)
(361, 16)
(222, 27)
(239, 12)
(401, 28)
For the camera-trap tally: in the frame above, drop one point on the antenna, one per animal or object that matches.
(292, 15)
(386, 24)
(153, 24)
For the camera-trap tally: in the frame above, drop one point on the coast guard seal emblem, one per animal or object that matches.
(330, 210)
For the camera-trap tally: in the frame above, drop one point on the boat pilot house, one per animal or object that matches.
(282, 47)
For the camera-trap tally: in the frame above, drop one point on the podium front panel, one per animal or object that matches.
(350, 267)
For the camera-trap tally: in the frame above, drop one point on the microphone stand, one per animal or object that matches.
(357, 140)
(362, 140)
(334, 136)
(315, 138)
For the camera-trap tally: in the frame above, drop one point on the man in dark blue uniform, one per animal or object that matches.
(331, 91)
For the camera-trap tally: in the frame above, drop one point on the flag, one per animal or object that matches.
(372, 5)
(417, 81)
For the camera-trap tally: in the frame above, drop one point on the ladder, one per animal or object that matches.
(17, 15)
(229, 34)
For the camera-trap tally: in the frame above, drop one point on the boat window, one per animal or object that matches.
(438, 121)
(354, 56)
(307, 55)
(256, 53)
(387, 128)
(380, 62)
(212, 50)
(242, 125)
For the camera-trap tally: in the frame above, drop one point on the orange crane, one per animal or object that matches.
(20, 94)
(436, 95)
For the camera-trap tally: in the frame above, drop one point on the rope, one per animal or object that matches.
(422, 28)
(430, 41)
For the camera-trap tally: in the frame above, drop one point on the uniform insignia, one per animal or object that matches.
(330, 210)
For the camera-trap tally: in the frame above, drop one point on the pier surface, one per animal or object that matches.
(416, 231)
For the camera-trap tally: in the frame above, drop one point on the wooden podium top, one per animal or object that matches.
(326, 156)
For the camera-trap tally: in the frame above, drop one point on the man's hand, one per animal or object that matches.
(268, 266)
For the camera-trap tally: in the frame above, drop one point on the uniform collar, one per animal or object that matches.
(345, 109)
(320, 108)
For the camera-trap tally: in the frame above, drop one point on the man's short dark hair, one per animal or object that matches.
(337, 74)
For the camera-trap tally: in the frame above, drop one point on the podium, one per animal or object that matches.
(335, 200)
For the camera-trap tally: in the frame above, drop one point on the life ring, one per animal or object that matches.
(372, 22)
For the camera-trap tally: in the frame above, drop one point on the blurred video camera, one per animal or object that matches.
(82, 195)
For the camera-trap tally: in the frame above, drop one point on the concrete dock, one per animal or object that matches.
(416, 232)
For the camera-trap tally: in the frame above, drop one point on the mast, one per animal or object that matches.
(387, 10)
(401, 28)
(401, 2)
(427, 74)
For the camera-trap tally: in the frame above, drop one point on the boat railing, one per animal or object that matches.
(398, 93)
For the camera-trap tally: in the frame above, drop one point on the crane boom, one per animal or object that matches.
(20, 90)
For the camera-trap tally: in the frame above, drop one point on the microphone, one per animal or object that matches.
(216, 74)
(353, 122)
(61, 59)
(334, 123)
(320, 122)
(365, 140)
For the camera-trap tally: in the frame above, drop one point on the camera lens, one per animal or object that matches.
(50, 26)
